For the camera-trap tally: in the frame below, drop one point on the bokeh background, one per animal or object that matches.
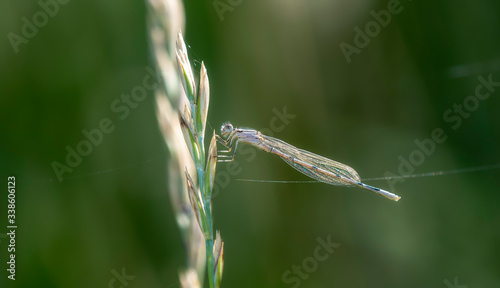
(114, 212)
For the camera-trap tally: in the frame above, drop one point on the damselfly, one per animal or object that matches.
(310, 164)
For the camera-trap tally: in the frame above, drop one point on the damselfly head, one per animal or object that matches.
(226, 129)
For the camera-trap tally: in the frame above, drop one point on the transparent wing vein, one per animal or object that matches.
(339, 169)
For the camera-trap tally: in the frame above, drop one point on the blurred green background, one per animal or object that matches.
(262, 55)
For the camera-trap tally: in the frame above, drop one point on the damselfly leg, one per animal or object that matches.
(228, 143)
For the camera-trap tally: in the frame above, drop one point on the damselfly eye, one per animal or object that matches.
(226, 129)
